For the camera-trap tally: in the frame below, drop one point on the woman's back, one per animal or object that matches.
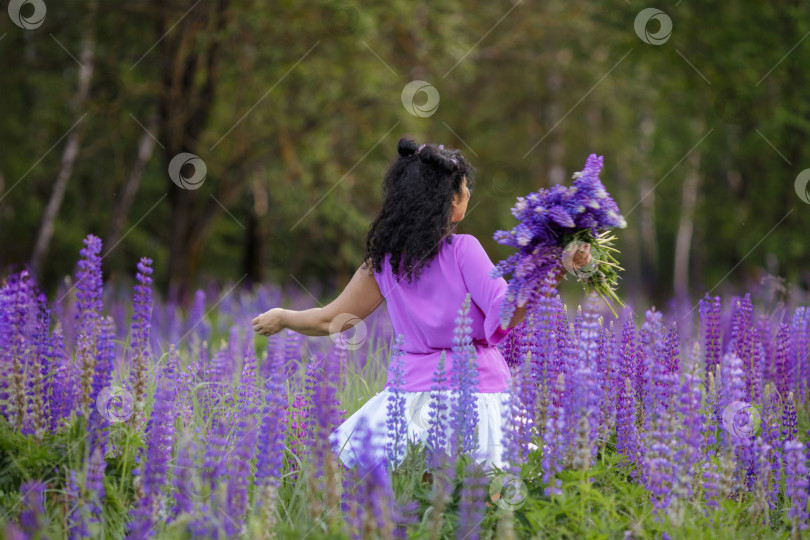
(424, 311)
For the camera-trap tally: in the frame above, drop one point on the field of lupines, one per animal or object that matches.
(125, 417)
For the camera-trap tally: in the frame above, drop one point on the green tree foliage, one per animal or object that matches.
(295, 108)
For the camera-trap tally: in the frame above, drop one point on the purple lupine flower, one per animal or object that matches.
(203, 522)
(65, 381)
(464, 376)
(339, 355)
(291, 354)
(630, 368)
(142, 310)
(299, 425)
(105, 358)
(796, 484)
(689, 434)
(539, 345)
(553, 439)
(746, 462)
(369, 502)
(627, 437)
(671, 351)
(562, 333)
(764, 350)
(742, 341)
(710, 479)
(764, 474)
(89, 285)
(471, 508)
(588, 396)
(732, 388)
(77, 519)
(94, 484)
(606, 371)
(397, 428)
(219, 370)
(16, 333)
(798, 372)
(247, 380)
(710, 332)
(660, 469)
(239, 471)
(771, 426)
(511, 345)
(39, 371)
(656, 379)
(517, 431)
(321, 382)
(214, 457)
(577, 326)
(790, 428)
(218, 379)
(437, 411)
(12, 532)
(33, 517)
(184, 477)
(89, 282)
(322, 385)
(140, 349)
(271, 434)
(154, 468)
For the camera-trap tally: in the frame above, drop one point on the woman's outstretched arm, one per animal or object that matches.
(360, 298)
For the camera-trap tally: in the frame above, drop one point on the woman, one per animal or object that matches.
(424, 271)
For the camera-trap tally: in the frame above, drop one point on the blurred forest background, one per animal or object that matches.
(295, 108)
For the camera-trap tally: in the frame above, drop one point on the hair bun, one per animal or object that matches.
(431, 156)
(407, 147)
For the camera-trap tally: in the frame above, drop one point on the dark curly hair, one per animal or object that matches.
(416, 215)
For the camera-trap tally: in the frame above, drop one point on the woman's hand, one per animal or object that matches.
(270, 322)
(582, 256)
(575, 257)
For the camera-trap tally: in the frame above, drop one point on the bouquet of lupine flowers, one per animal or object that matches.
(554, 225)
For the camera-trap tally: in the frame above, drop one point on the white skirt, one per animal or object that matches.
(493, 413)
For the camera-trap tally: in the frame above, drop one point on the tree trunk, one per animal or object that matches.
(145, 147)
(683, 242)
(190, 78)
(69, 154)
(256, 232)
(649, 243)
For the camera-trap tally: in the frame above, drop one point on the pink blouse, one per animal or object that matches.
(424, 312)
